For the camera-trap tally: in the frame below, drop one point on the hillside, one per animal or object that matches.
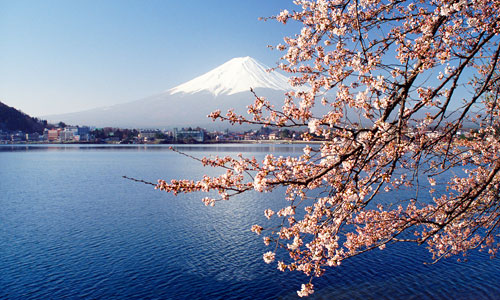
(12, 119)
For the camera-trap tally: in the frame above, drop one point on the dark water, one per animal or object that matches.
(72, 228)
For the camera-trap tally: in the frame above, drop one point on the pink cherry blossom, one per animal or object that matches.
(269, 257)
(401, 95)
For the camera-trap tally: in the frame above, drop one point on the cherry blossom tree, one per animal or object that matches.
(409, 93)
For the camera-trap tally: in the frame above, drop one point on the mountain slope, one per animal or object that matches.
(12, 119)
(167, 111)
(234, 76)
(227, 86)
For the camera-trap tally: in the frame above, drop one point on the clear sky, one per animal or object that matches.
(60, 56)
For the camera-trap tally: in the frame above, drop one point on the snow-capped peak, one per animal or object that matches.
(235, 76)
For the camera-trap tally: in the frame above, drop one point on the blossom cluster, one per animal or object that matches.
(389, 78)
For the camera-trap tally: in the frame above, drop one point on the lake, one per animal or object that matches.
(72, 228)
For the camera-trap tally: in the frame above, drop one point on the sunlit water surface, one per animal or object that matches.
(72, 227)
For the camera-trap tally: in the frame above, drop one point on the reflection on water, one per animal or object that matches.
(209, 148)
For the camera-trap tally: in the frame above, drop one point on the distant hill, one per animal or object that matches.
(227, 86)
(12, 119)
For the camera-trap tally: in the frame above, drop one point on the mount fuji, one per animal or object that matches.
(227, 86)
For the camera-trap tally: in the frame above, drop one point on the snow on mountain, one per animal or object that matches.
(227, 86)
(235, 76)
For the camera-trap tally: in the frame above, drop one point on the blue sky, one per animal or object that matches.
(60, 56)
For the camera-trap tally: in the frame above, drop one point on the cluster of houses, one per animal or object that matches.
(70, 133)
(198, 135)
(67, 134)
(85, 134)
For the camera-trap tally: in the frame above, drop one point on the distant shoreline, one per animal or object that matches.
(250, 142)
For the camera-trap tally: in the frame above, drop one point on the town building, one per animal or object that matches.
(66, 135)
(53, 135)
(185, 135)
(83, 133)
(33, 137)
(148, 135)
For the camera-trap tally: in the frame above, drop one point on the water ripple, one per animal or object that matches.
(72, 228)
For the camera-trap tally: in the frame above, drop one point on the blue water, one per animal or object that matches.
(72, 228)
